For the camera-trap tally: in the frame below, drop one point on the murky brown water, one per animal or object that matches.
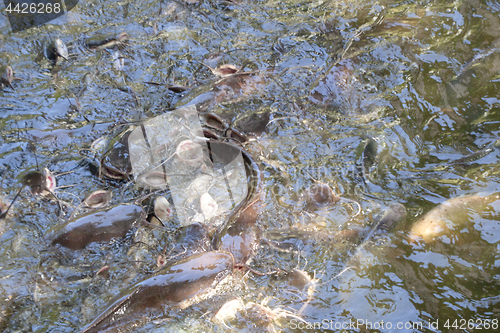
(421, 78)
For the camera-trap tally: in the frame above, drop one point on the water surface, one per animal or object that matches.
(420, 77)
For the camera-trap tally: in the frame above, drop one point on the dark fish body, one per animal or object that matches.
(213, 121)
(35, 180)
(174, 286)
(115, 162)
(40, 182)
(232, 88)
(240, 239)
(104, 42)
(254, 122)
(388, 219)
(369, 153)
(240, 236)
(366, 158)
(292, 240)
(100, 226)
(298, 279)
(476, 155)
(248, 210)
(318, 196)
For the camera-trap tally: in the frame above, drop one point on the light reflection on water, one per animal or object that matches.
(420, 78)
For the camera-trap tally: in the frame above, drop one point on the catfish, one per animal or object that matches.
(100, 226)
(177, 286)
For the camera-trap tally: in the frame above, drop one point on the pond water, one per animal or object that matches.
(422, 78)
